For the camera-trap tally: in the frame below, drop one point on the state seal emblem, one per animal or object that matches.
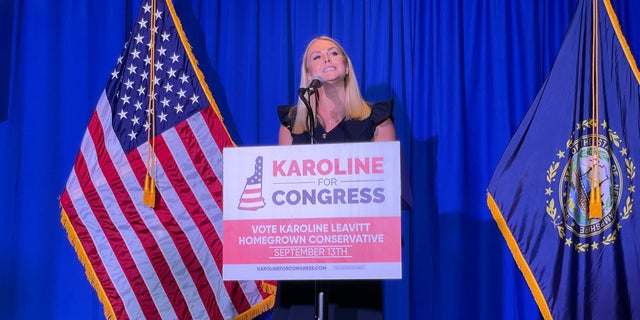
(590, 160)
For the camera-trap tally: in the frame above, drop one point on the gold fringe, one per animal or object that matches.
(269, 288)
(623, 41)
(258, 309)
(194, 63)
(91, 274)
(263, 306)
(519, 258)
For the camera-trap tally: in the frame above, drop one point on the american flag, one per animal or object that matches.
(251, 198)
(163, 261)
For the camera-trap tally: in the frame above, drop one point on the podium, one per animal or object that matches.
(312, 212)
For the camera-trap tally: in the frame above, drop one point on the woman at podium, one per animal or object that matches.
(331, 109)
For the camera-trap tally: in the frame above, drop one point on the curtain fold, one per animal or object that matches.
(461, 73)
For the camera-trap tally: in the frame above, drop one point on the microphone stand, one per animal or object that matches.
(311, 123)
(321, 307)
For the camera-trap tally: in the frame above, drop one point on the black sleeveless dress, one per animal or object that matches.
(344, 293)
(345, 131)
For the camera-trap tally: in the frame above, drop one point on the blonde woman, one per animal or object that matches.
(340, 112)
(340, 115)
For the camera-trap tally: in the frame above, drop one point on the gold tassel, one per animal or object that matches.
(595, 203)
(145, 190)
(149, 194)
(595, 199)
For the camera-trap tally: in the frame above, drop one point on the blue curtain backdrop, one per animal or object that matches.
(462, 74)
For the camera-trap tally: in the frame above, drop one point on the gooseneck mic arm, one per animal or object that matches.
(305, 95)
(310, 118)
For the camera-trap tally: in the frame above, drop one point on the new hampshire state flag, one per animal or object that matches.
(564, 192)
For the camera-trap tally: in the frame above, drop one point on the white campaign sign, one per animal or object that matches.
(326, 211)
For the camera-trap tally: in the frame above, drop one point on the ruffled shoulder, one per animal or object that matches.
(381, 111)
(287, 114)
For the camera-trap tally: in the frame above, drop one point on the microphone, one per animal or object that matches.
(314, 85)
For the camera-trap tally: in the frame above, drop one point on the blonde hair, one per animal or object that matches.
(357, 108)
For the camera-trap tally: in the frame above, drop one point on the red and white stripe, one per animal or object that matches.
(251, 197)
(164, 262)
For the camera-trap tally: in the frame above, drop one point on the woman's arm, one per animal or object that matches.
(384, 131)
(284, 137)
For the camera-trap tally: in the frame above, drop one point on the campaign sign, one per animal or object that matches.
(324, 211)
